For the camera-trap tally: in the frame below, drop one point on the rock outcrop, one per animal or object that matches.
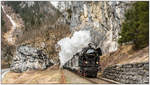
(137, 73)
(102, 18)
(29, 58)
(42, 27)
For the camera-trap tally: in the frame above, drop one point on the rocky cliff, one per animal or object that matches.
(45, 23)
(103, 19)
(29, 58)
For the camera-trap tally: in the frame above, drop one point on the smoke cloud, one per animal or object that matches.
(70, 46)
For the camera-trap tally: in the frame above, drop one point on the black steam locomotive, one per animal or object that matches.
(86, 62)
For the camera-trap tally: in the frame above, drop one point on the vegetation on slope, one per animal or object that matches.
(41, 26)
(34, 14)
(135, 29)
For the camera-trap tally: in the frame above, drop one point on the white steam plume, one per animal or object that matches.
(70, 46)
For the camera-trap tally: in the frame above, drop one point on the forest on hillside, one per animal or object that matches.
(135, 28)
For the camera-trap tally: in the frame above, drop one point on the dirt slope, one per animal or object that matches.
(52, 75)
(124, 55)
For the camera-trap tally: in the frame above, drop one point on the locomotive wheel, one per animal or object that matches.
(84, 74)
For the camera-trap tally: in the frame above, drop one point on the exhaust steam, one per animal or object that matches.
(70, 46)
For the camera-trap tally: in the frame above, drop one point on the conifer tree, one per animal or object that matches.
(135, 28)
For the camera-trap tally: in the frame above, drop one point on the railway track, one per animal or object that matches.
(99, 80)
(91, 80)
(108, 80)
(58, 76)
(63, 80)
(102, 81)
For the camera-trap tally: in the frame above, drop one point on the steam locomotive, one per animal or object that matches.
(86, 62)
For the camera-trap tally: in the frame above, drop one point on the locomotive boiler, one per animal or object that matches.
(86, 62)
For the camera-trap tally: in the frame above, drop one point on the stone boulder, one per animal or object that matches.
(29, 58)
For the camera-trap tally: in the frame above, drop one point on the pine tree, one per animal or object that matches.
(135, 29)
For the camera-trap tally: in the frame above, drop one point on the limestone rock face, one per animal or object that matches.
(29, 58)
(103, 19)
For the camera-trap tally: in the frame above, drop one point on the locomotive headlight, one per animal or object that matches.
(86, 62)
(96, 62)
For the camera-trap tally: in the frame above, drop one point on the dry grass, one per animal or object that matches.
(124, 55)
(50, 75)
